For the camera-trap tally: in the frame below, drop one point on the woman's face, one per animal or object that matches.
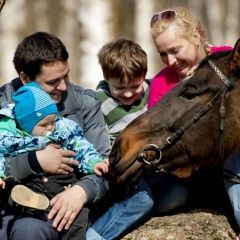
(177, 52)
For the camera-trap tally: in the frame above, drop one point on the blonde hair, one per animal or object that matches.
(183, 28)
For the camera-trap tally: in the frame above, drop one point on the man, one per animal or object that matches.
(42, 58)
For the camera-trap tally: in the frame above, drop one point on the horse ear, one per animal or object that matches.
(235, 57)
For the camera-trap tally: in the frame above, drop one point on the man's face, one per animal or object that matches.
(53, 79)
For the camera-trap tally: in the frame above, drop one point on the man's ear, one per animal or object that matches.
(24, 78)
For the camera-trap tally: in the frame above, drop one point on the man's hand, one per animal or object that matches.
(54, 160)
(66, 205)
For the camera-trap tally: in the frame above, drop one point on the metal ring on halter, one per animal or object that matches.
(148, 147)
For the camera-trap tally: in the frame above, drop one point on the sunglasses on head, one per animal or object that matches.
(168, 15)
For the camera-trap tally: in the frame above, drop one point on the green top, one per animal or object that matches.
(117, 115)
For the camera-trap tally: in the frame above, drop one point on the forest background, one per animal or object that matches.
(85, 25)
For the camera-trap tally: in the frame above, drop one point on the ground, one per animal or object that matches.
(208, 215)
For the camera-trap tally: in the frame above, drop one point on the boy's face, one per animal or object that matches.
(126, 93)
(46, 124)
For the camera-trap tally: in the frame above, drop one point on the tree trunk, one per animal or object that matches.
(2, 2)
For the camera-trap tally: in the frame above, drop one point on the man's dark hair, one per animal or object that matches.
(36, 50)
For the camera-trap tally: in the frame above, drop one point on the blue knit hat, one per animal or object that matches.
(32, 104)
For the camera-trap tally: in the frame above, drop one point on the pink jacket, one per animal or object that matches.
(167, 78)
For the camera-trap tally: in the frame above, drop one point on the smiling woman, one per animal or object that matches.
(181, 41)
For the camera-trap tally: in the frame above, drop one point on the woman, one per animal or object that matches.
(181, 41)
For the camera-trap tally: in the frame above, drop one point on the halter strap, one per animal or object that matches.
(224, 79)
(228, 85)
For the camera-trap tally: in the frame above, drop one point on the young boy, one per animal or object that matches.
(31, 124)
(124, 96)
(124, 92)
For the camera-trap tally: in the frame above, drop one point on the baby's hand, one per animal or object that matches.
(2, 183)
(101, 167)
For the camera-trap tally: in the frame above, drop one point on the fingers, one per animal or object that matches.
(56, 145)
(54, 208)
(68, 153)
(65, 167)
(106, 161)
(97, 172)
(99, 168)
(105, 168)
(70, 221)
(2, 185)
(65, 219)
(70, 162)
(65, 207)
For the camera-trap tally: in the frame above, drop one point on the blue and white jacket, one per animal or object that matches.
(14, 141)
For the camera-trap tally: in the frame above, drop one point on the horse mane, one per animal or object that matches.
(214, 56)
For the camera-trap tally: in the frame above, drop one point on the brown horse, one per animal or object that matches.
(196, 124)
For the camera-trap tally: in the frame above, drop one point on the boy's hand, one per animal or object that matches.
(55, 161)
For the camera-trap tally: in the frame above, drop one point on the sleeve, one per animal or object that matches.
(18, 167)
(162, 83)
(94, 186)
(2, 166)
(15, 144)
(155, 93)
(70, 134)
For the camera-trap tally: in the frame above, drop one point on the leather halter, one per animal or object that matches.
(228, 86)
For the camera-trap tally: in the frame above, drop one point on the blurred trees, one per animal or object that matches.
(85, 25)
(2, 3)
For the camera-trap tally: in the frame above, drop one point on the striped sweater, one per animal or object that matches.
(118, 116)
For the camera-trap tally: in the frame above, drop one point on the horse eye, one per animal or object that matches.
(189, 94)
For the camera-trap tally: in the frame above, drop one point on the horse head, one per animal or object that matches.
(183, 131)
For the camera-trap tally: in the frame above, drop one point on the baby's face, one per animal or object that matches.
(46, 124)
(126, 93)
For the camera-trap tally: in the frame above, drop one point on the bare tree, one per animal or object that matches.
(85, 25)
(2, 2)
